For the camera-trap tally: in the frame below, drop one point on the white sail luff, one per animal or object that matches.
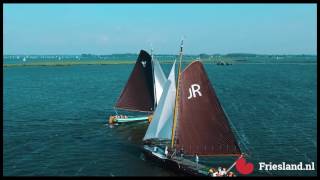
(159, 79)
(161, 124)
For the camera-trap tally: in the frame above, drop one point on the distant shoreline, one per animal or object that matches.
(132, 62)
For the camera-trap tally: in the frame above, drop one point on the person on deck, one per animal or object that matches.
(181, 152)
(219, 171)
(223, 172)
(230, 174)
(166, 151)
(210, 173)
(197, 160)
(215, 174)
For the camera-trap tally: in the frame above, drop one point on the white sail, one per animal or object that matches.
(159, 79)
(161, 124)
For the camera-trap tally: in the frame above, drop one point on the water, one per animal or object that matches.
(55, 118)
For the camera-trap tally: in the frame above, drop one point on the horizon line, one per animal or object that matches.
(160, 54)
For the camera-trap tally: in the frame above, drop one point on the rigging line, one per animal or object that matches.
(235, 130)
(233, 164)
(177, 96)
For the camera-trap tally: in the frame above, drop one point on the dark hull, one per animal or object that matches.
(173, 165)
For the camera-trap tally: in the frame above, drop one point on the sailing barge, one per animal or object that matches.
(189, 120)
(142, 91)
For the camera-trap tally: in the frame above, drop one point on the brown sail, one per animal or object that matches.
(202, 126)
(138, 94)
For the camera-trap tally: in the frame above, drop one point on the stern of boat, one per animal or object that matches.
(112, 119)
(150, 118)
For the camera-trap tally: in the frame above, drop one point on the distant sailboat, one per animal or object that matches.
(142, 91)
(190, 120)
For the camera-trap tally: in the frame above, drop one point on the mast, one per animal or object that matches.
(177, 96)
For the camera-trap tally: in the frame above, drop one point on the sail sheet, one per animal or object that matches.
(138, 94)
(202, 126)
(159, 79)
(161, 124)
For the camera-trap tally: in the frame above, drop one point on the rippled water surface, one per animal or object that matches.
(55, 118)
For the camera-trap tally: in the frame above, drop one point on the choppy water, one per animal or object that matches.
(55, 118)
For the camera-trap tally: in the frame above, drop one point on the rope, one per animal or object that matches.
(237, 134)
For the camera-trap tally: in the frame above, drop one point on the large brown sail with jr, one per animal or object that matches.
(202, 126)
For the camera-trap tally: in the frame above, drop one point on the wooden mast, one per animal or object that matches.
(177, 96)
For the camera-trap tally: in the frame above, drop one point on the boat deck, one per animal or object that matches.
(181, 164)
(192, 166)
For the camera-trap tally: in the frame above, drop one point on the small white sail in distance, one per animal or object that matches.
(161, 124)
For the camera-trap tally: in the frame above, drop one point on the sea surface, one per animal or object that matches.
(55, 119)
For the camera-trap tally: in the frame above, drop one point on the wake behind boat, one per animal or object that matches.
(142, 91)
(190, 122)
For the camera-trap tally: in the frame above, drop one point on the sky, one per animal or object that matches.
(127, 28)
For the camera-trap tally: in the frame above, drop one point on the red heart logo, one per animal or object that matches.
(243, 167)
